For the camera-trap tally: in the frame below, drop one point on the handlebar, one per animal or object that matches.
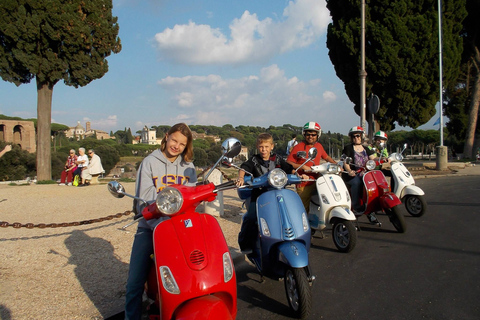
(225, 186)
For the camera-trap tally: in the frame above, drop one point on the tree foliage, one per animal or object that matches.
(401, 54)
(16, 164)
(53, 40)
(462, 97)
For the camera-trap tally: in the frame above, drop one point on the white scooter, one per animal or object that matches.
(330, 207)
(403, 185)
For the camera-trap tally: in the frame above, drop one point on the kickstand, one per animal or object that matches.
(357, 225)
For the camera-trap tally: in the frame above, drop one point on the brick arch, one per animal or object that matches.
(17, 132)
(2, 132)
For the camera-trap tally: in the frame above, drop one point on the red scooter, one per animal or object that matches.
(377, 196)
(193, 276)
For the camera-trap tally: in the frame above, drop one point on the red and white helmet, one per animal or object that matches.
(312, 126)
(356, 129)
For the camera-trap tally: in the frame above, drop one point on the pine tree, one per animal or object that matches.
(401, 54)
(53, 40)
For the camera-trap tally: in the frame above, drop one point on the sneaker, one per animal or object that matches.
(61, 184)
(372, 218)
(69, 184)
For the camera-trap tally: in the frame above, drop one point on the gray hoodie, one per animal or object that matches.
(155, 173)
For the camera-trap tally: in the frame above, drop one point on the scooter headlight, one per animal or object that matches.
(168, 281)
(370, 165)
(398, 157)
(333, 168)
(227, 267)
(169, 201)
(277, 178)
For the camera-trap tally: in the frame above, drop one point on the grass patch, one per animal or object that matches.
(46, 182)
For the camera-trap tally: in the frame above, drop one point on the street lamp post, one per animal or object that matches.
(363, 73)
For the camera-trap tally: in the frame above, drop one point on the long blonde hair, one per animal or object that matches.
(185, 130)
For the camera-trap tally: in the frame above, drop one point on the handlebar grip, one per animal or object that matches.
(227, 184)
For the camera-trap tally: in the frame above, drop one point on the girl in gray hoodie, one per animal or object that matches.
(171, 164)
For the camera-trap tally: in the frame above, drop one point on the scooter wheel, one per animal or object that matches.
(298, 292)
(344, 235)
(416, 205)
(397, 219)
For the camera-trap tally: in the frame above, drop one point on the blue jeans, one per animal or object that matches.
(140, 263)
(356, 191)
(249, 230)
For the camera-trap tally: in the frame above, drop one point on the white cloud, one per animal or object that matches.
(264, 99)
(250, 40)
(329, 96)
(110, 123)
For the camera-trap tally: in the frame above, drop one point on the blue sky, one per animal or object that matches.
(239, 62)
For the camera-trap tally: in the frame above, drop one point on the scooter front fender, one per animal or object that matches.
(412, 190)
(293, 254)
(341, 213)
(208, 307)
(389, 200)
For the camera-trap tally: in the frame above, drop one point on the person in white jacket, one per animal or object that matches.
(94, 167)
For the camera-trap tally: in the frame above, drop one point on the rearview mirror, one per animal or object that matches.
(301, 155)
(116, 189)
(231, 147)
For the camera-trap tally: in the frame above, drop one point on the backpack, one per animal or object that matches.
(75, 180)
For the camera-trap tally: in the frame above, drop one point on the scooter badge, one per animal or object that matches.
(188, 223)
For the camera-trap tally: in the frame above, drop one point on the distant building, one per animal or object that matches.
(18, 132)
(205, 136)
(79, 132)
(244, 152)
(149, 136)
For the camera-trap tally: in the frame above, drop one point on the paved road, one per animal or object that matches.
(430, 272)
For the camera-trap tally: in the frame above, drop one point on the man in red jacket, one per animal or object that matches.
(311, 133)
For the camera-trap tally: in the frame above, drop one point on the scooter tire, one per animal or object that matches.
(397, 219)
(416, 205)
(344, 235)
(299, 294)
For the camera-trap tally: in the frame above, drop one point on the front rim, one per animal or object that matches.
(298, 292)
(344, 235)
(415, 206)
(291, 288)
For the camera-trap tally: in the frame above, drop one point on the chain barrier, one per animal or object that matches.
(18, 225)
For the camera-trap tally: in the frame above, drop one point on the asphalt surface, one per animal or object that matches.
(419, 169)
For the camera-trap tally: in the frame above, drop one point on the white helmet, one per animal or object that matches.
(380, 135)
(312, 126)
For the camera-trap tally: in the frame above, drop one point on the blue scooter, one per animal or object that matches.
(283, 239)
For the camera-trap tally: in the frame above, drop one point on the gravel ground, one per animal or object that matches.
(76, 272)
